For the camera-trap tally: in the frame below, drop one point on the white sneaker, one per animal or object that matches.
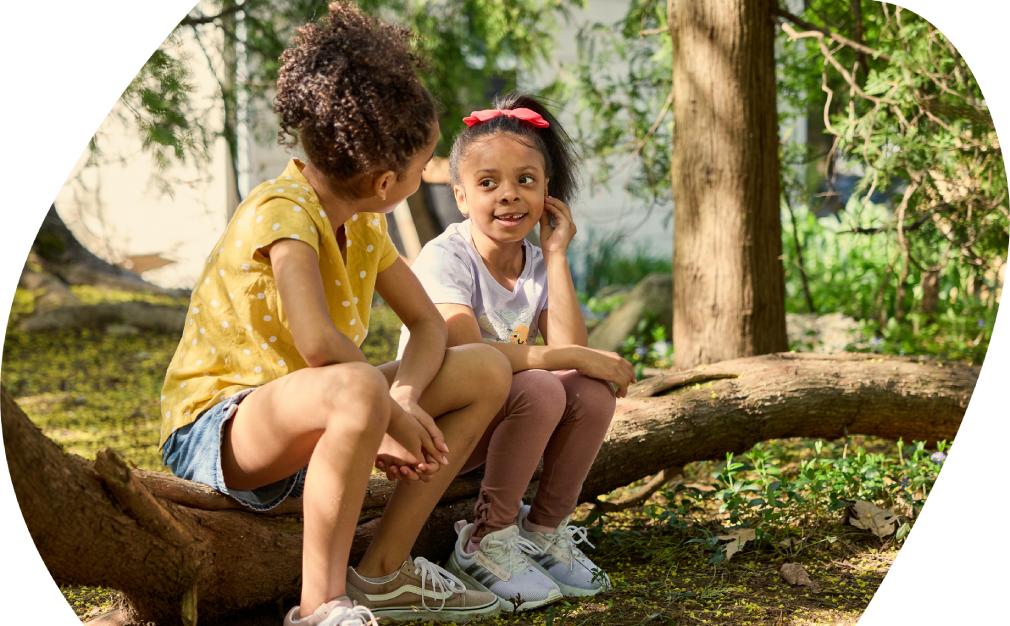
(332, 613)
(501, 567)
(560, 559)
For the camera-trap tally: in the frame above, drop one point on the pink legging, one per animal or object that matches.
(562, 416)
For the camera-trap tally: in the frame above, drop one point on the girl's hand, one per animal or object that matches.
(392, 459)
(420, 443)
(555, 239)
(608, 366)
(410, 407)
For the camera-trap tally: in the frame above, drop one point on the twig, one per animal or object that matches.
(645, 139)
(964, 73)
(642, 34)
(799, 254)
(876, 231)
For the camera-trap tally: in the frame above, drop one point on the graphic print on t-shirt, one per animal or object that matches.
(507, 326)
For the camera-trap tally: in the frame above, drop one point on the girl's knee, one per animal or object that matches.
(357, 398)
(594, 398)
(539, 391)
(488, 372)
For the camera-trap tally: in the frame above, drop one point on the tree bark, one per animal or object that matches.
(178, 550)
(729, 290)
(930, 294)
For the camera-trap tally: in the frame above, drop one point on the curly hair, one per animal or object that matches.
(349, 92)
(553, 143)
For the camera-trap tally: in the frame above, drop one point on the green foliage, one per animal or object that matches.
(158, 99)
(90, 389)
(383, 335)
(912, 123)
(605, 261)
(647, 346)
(477, 47)
(473, 46)
(856, 273)
(907, 118)
(792, 492)
(623, 117)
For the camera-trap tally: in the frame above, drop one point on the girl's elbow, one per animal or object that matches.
(316, 351)
(432, 325)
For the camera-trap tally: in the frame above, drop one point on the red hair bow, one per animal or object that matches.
(523, 114)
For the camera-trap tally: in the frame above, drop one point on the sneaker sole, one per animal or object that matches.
(507, 606)
(458, 615)
(567, 590)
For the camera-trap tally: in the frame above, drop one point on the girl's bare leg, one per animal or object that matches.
(333, 419)
(465, 395)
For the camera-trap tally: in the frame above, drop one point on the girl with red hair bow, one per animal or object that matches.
(513, 169)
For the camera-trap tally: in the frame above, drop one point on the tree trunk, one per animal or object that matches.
(177, 549)
(229, 94)
(60, 254)
(930, 294)
(729, 291)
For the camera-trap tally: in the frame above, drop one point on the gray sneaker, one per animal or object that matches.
(332, 613)
(421, 590)
(501, 567)
(562, 561)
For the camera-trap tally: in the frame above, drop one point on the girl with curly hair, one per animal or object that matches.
(513, 169)
(269, 395)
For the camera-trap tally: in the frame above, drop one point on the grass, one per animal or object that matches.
(89, 389)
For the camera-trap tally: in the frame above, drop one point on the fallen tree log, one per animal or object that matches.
(178, 551)
(138, 314)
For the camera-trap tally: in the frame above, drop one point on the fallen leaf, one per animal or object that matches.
(737, 539)
(867, 516)
(796, 575)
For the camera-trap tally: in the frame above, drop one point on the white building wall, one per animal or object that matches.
(610, 210)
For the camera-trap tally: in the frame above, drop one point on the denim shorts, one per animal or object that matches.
(193, 452)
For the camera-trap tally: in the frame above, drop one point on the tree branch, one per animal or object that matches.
(199, 20)
(652, 31)
(851, 80)
(641, 496)
(915, 226)
(649, 133)
(824, 32)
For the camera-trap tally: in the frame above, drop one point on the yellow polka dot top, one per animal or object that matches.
(237, 335)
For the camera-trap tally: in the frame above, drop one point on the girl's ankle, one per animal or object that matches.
(530, 527)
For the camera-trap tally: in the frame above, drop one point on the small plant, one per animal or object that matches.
(793, 504)
(648, 346)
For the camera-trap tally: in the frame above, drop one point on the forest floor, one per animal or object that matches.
(90, 389)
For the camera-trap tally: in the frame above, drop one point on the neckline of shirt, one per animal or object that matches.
(482, 266)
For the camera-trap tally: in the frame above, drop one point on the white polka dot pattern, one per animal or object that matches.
(241, 342)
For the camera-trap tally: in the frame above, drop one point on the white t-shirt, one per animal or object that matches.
(452, 272)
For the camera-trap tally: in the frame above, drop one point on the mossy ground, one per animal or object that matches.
(90, 389)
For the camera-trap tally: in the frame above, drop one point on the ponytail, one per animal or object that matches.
(552, 142)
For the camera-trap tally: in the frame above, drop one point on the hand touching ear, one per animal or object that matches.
(556, 239)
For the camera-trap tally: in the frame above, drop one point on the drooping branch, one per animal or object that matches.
(169, 544)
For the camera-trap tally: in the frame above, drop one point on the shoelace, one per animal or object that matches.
(344, 616)
(497, 548)
(570, 537)
(440, 580)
